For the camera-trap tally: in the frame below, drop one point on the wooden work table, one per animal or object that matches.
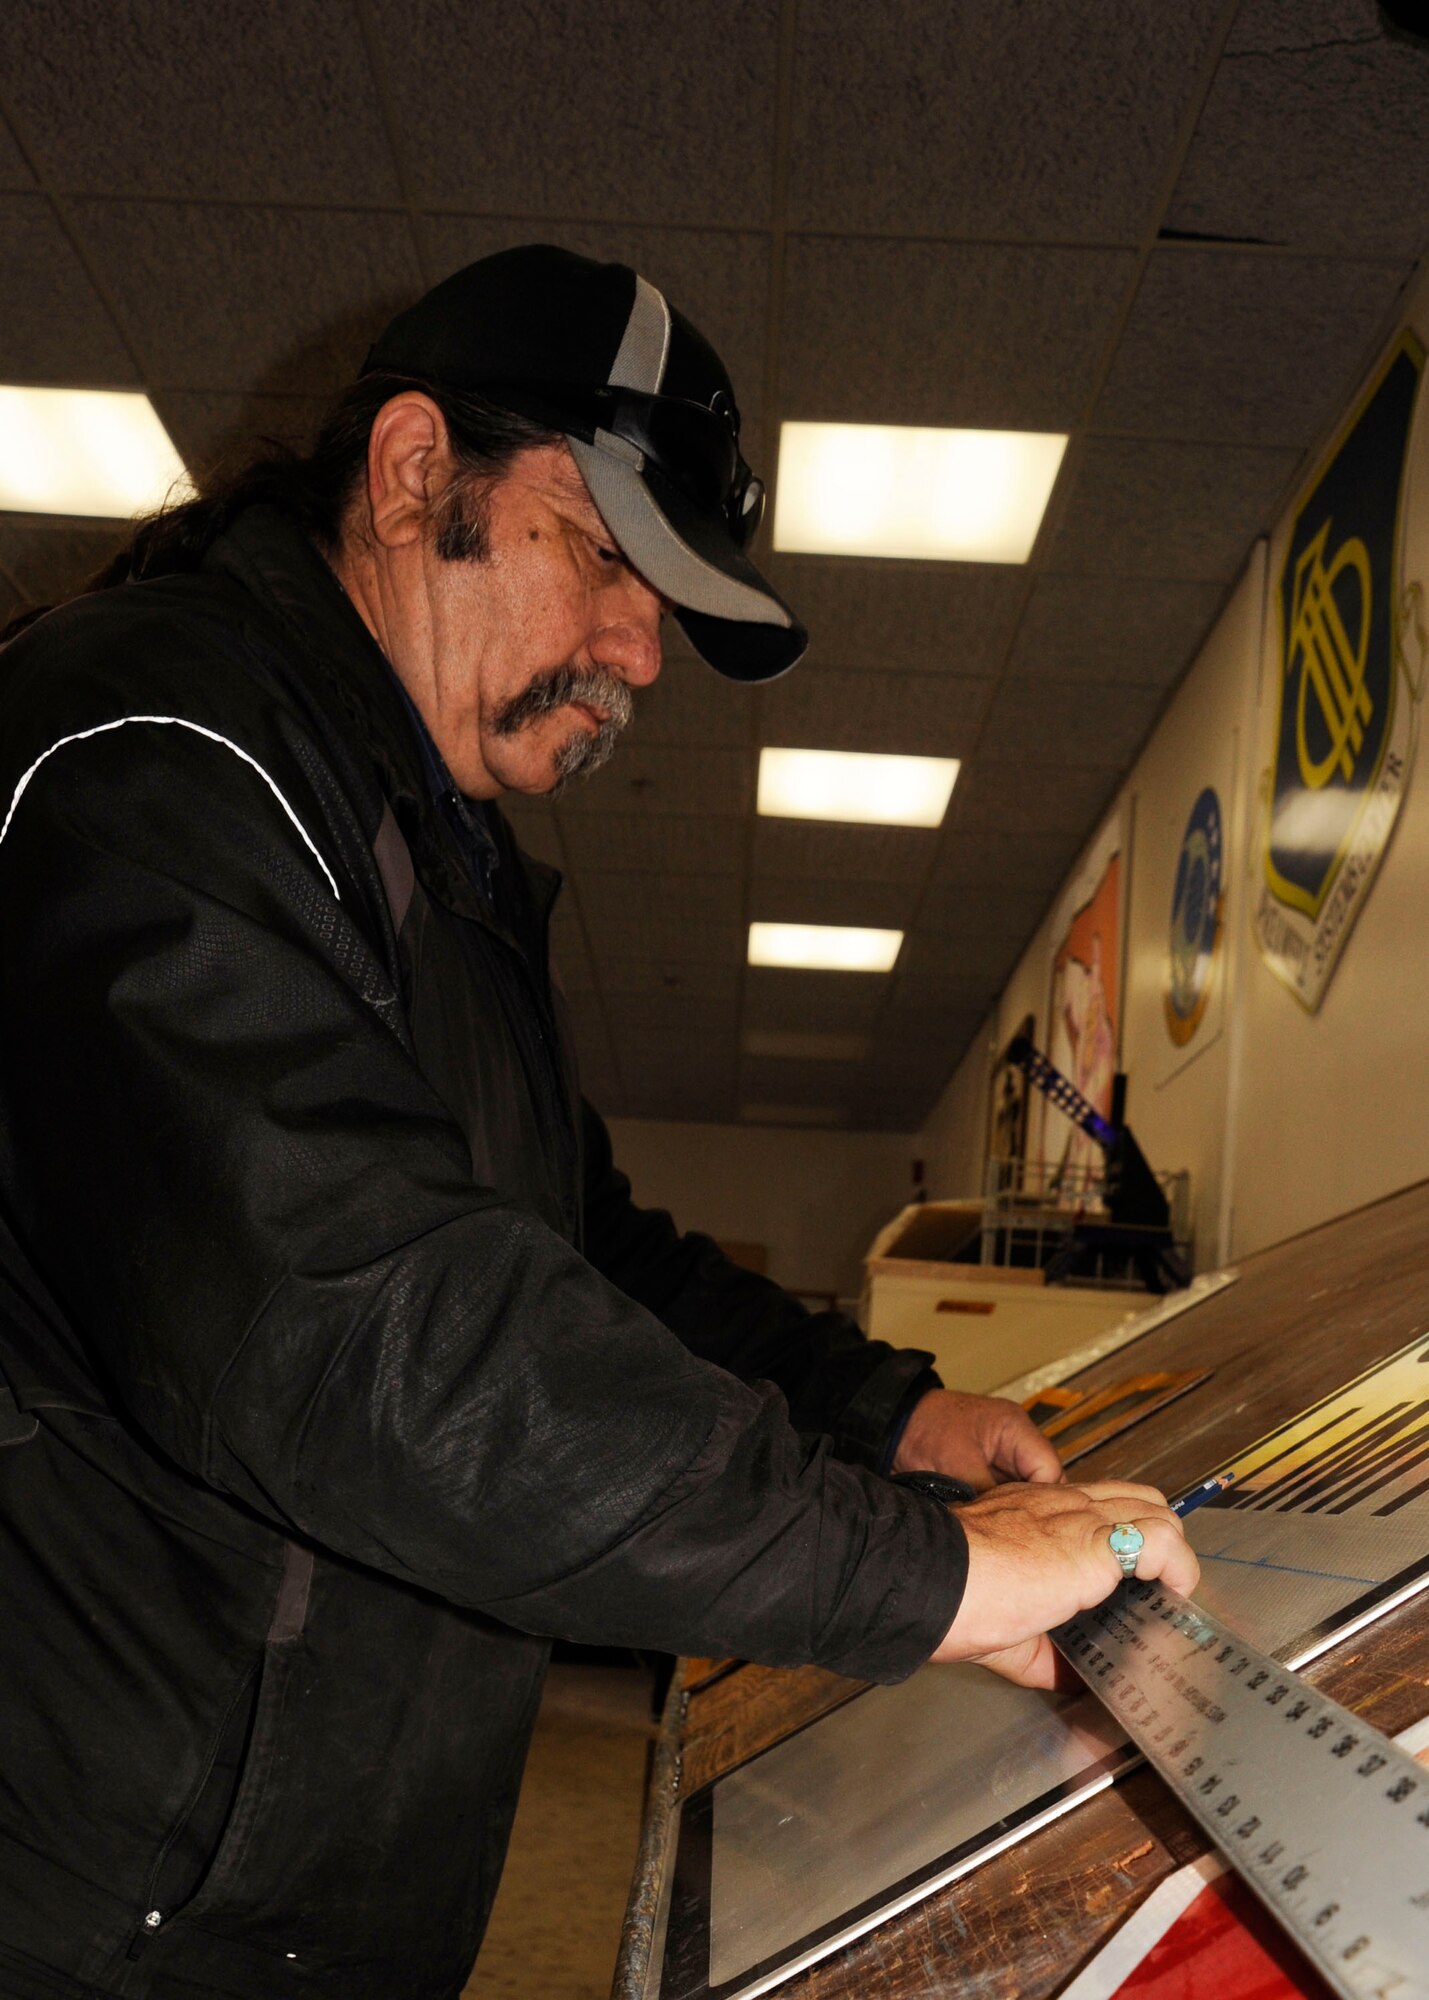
(1302, 1320)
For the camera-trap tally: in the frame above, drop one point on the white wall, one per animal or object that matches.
(1285, 1118)
(954, 1139)
(816, 1199)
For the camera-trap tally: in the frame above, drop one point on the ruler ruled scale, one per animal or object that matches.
(1319, 1813)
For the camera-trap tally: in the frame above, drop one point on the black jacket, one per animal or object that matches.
(342, 1371)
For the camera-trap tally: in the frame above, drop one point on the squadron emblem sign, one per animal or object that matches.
(1348, 715)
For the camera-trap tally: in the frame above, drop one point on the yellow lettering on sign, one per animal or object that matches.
(1331, 665)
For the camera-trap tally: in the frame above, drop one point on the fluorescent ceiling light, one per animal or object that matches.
(94, 452)
(854, 785)
(797, 1045)
(891, 490)
(823, 947)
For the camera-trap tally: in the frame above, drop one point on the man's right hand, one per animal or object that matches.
(1039, 1554)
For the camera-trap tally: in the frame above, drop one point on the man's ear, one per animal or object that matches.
(409, 462)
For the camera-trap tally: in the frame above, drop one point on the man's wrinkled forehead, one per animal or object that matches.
(552, 469)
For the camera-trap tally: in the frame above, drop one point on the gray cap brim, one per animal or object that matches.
(731, 615)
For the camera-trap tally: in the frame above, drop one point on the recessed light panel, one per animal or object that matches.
(892, 490)
(854, 785)
(823, 947)
(93, 452)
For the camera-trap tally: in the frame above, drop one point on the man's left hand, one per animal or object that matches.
(980, 1439)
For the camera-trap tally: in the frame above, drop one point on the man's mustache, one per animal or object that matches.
(583, 753)
(591, 685)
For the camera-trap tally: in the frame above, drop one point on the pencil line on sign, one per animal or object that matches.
(1290, 1569)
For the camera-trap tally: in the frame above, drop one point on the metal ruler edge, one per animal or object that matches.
(1316, 1810)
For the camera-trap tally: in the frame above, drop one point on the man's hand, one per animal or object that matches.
(1039, 1554)
(977, 1438)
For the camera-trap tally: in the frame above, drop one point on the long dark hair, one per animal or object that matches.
(316, 487)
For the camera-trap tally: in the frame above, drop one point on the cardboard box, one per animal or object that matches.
(985, 1325)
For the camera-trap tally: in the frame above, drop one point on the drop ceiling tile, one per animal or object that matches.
(822, 851)
(801, 1083)
(945, 618)
(914, 714)
(663, 779)
(1149, 508)
(1141, 631)
(981, 916)
(569, 952)
(570, 962)
(622, 843)
(1087, 724)
(536, 829)
(964, 972)
(1011, 798)
(1313, 134)
(654, 1057)
(693, 706)
(684, 936)
(805, 1045)
(996, 336)
(832, 1000)
(623, 978)
(159, 97)
(701, 1018)
(655, 111)
(1246, 348)
(937, 992)
(683, 1101)
(1018, 860)
(51, 560)
(13, 171)
(800, 900)
(603, 1089)
(1054, 122)
(592, 1043)
(279, 300)
(907, 1065)
(911, 1024)
(217, 431)
(55, 328)
(707, 900)
(719, 278)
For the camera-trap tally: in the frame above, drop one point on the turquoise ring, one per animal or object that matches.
(1127, 1542)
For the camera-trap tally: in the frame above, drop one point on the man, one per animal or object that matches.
(343, 1372)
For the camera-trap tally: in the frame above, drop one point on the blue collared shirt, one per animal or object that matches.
(466, 817)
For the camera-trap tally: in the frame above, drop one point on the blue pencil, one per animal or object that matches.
(1199, 1495)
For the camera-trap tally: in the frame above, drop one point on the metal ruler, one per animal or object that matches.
(1326, 1820)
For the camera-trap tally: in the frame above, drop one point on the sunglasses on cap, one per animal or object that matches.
(695, 447)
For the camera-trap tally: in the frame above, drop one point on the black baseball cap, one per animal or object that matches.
(647, 407)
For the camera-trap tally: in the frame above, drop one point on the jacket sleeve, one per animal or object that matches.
(263, 1225)
(858, 1391)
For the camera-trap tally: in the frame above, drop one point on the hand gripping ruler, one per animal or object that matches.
(1324, 1818)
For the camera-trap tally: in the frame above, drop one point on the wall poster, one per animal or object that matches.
(1009, 1102)
(1349, 689)
(1194, 975)
(1084, 1003)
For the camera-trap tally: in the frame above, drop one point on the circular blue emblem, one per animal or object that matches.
(1196, 911)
